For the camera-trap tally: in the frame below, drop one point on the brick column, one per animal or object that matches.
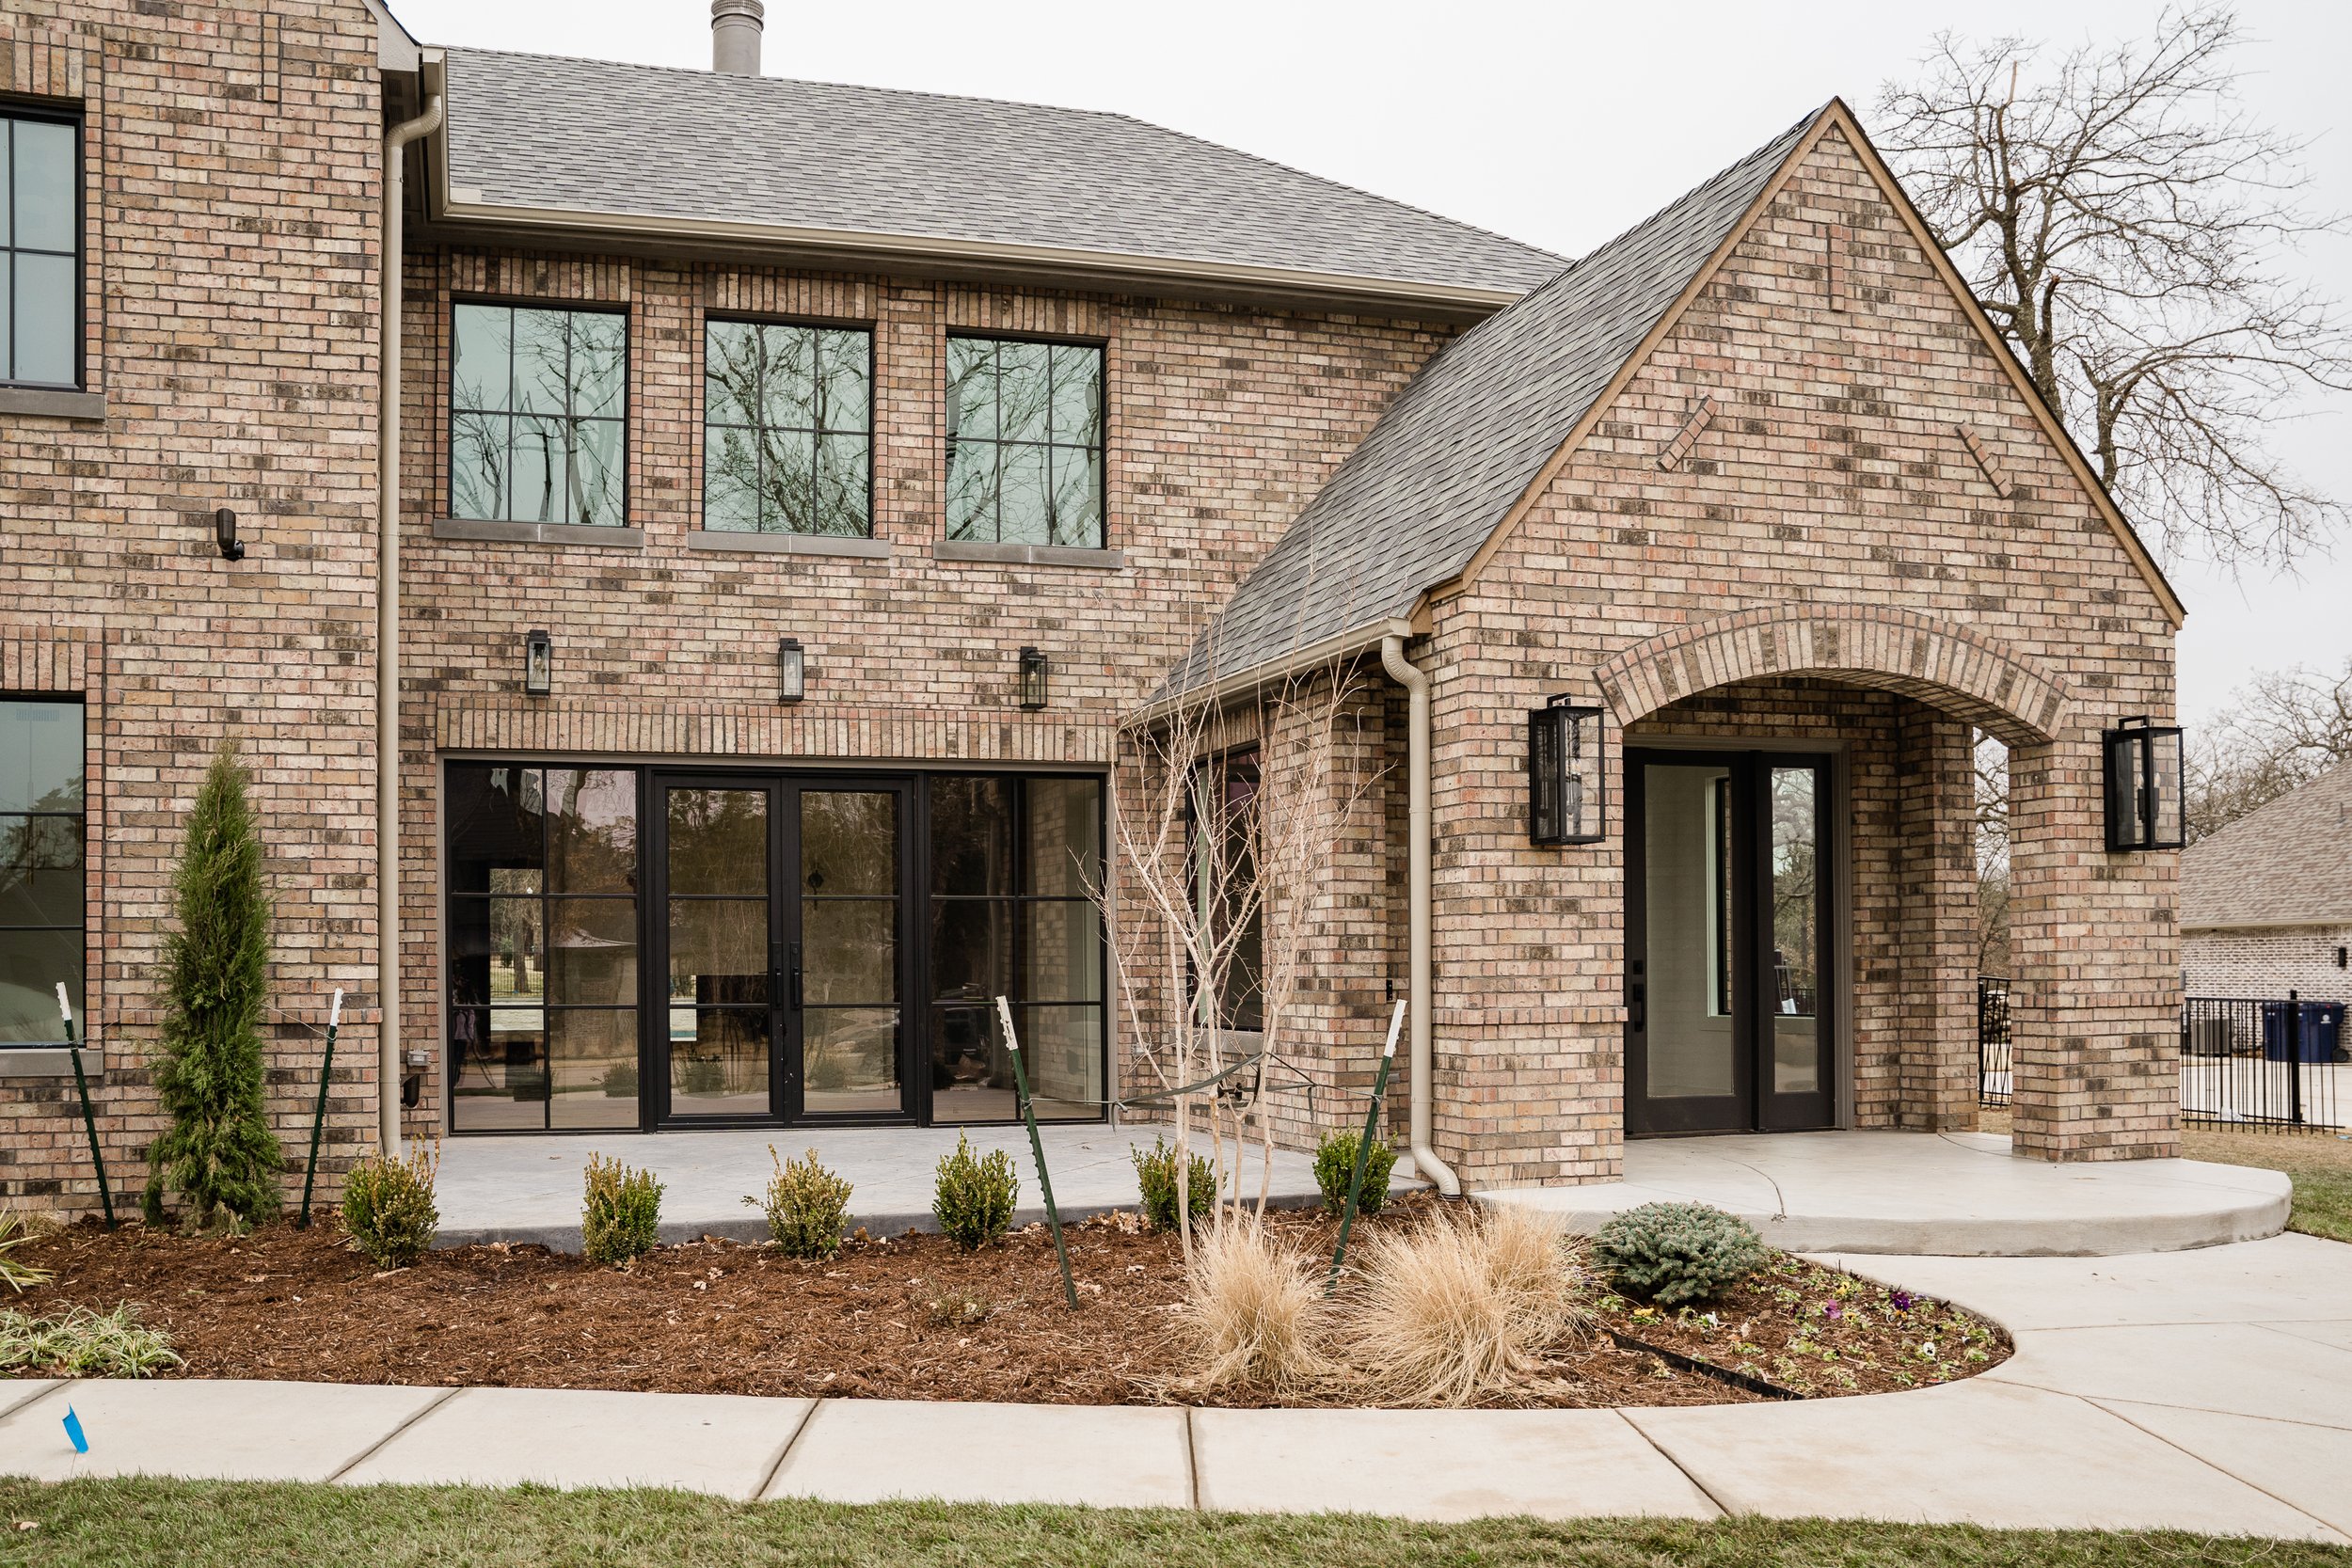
(1937, 944)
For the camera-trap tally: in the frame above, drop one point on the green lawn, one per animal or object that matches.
(221, 1525)
(2319, 1165)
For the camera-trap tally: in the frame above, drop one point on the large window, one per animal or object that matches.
(542, 947)
(40, 248)
(41, 868)
(1013, 860)
(788, 417)
(1025, 442)
(538, 405)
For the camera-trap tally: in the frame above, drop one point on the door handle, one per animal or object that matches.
(795, 992)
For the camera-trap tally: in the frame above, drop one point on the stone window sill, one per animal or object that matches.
(540, 533)
(49, 1061)
(46, 403)
(789, 544)
(1030, 555)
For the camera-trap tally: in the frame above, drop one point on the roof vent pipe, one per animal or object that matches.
(735, 36)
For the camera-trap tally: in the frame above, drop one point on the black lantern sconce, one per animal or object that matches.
(791, 670)
(1564, 790)
(2144, 788)
(539, 665)
(1034, 672)
(224, 535)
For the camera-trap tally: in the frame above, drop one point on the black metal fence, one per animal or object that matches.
(2251, 1063)
(1993, 1065)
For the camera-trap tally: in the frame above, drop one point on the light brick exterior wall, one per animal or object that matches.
(229, 287)
(2267, 963)
(1832, 484)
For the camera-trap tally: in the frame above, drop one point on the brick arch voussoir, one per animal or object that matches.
(1965, 672)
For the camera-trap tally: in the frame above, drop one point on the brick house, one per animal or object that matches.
(2264, 905)
(784, 547)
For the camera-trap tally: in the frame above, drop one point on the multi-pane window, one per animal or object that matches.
(1013, 863)
(787, 423)
(1025, 442)
(538, 404)
(40, 243)
(41, 868)
(542, 947)
(1224, 830)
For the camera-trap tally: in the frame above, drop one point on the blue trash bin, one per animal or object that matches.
(2322, 1028)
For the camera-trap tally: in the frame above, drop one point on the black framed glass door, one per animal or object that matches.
(1728, 1023)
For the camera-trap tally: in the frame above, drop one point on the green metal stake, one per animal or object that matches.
(1037, 1146)
(1363, 1149)
(318, 1118)
(89, 1117)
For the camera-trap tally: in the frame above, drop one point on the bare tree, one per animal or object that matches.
(2129, 225)
(2285, 727)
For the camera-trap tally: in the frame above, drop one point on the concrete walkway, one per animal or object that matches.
(2207, 1390)
(1959, 1194)
(528, 1188)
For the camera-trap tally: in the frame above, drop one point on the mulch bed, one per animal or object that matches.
(906, 1317)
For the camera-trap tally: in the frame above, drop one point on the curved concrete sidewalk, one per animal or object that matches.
(1955, 1194)
(2209, 1390)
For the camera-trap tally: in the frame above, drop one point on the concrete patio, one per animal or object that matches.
(1956, 1194)
(528, 1189)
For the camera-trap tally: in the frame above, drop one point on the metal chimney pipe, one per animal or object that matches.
(735, 26)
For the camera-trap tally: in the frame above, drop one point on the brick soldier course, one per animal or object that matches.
(1805, 501)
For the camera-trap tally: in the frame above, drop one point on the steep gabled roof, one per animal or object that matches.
(2281, 865)
(535, 138)
(1453, 455)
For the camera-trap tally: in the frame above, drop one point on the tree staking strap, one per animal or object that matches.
(1209, 1083)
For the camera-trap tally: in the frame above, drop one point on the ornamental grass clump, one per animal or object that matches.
(84, 1343)
(1335, 1167)
(17, 1274)
(622, 1216)
(218, 1153)
(389, 1209)
(1155, 1179)
(1677, 1253)
(1254, 1311)
(1454, 1310)
(807, 1207)
(974, 1199)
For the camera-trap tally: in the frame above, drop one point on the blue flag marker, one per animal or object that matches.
(73, 1430)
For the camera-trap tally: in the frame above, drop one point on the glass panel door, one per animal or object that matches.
(721, 939)
(848, 958)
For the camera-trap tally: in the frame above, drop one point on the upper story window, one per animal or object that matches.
(538, 407)
(40, 250)
(41, 868)
(788, 423)
(1025, 442)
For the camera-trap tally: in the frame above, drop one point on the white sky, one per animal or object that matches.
(1559, 124)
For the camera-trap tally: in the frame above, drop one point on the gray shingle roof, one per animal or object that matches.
(2289, 864)
(1409, 507)
(652, 142)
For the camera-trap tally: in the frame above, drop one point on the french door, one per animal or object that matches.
(782, 957)
(1729, 1021)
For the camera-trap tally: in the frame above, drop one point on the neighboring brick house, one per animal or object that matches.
(2266, 902)
(800, 491)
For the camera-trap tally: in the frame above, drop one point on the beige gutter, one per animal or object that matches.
(387, 628)
(1420, 967)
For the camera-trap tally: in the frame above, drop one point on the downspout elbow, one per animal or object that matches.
(1420, 969)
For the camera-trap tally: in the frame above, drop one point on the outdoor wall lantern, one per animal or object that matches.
(1034, 669)
(791, 670)
(539, 665)
(2144, 791)
(1564, 794)
(224, 535)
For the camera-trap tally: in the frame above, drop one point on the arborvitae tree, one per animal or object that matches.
(220, 1155)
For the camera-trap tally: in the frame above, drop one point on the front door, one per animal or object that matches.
(1728, 1023)
(782, 942)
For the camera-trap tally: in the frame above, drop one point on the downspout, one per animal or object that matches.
(387, 629)
(1418, 983)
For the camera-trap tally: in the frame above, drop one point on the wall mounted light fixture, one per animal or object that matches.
(1035, 673)
(1563, 774)
(2144, 785)
(225, 534)
(791, 670)
(538, 664)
